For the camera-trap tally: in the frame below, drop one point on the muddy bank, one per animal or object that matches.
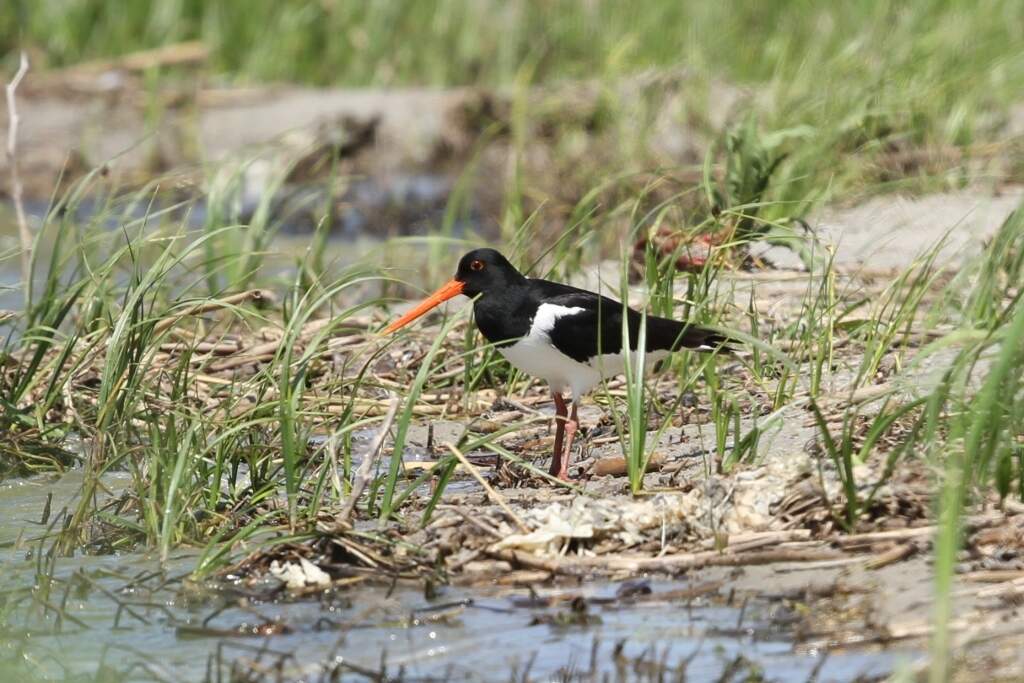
(384, 163)
(105, 119)
(751, 558)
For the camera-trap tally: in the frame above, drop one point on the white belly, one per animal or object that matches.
(536, 356)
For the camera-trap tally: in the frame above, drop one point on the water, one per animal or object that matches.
(169, 629)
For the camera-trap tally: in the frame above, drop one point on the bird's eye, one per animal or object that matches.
(476, 265)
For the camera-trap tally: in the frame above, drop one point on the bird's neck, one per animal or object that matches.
(503, 317)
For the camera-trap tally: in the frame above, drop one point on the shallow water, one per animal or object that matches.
(175, 634)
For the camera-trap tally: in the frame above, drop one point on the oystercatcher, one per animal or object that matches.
(570, 337)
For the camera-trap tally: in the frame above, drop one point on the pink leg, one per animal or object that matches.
(560, 417)
(570, 431)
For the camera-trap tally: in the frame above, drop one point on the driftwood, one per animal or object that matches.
(666, 563)
(897, 553)
(765, 547)
(972, 523)
(616, 465)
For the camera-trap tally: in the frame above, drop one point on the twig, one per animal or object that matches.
(213, 305)
(757, 539)
(203, 347)
(616, 465)
(666, 563)
(257, 354)
(491, 493)
(190, 52)
(366, 467)
(1006, 589)
(992, 576)
(478, 523)
(16, 188)
(972, 523)
(890, 634)
(525, 559)
(897, 553)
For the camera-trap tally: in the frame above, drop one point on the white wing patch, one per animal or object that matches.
(535, 355)
(547, 315)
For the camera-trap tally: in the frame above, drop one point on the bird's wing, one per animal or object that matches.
(582, 324)
(597, 327)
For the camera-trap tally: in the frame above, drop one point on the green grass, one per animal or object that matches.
(113, 293)
(844, 99)
(445, 42)
(234, 471)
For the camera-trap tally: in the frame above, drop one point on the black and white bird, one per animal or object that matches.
(569, 337)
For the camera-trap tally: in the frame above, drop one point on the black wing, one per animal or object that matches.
(597, 328)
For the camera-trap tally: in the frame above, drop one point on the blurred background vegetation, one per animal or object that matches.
(863, 87)
(460, 42)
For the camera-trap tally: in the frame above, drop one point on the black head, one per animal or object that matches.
(480, 271)
(486, 270)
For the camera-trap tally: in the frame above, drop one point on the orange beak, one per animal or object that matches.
(449, 290)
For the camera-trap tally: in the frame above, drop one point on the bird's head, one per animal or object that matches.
(480, 272)
(485, 270)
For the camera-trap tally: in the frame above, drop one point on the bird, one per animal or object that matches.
(569, 337)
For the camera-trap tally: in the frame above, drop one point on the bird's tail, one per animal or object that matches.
(672, 335)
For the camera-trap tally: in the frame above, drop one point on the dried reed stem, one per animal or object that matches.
(17, 190)
(366, 467)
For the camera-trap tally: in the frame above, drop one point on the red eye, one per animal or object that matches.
(476, 265)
